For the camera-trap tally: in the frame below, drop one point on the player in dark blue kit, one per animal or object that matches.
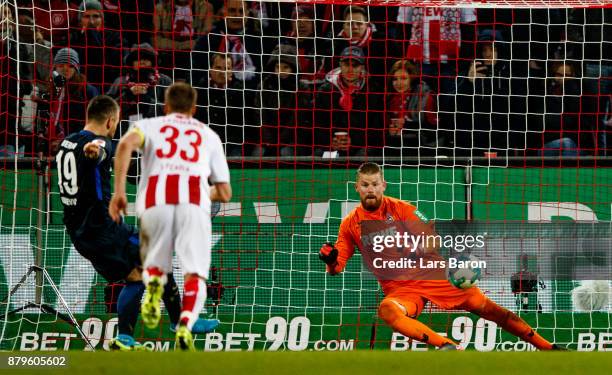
(84, 164)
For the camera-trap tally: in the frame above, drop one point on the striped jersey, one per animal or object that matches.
(180, 155)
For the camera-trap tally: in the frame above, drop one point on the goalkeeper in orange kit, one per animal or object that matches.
(405, 297)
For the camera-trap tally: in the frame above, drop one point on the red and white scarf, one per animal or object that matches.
(183, 21)
(244, 68)
(346, 91)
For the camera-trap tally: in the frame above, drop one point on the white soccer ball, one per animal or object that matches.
(466, 272)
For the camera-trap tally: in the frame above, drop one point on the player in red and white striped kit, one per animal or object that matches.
(180, 155)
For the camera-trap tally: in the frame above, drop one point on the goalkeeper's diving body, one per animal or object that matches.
(405, 298)
(84, 174)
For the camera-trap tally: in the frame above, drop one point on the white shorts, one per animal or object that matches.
(184, 228)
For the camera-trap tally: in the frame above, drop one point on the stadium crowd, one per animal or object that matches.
(291, 79)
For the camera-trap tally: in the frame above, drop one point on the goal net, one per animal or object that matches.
(490, 116)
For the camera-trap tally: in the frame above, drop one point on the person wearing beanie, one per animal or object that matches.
(285, 54)
(91, 15)
(140, 89)
(67, 62)
(141, 52)
(98, 47)
(69, 94)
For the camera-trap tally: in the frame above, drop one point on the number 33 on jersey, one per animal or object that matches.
(178, 153)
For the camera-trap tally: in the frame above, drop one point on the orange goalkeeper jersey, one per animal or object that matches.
(390, 210)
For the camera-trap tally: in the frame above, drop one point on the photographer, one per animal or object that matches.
(490, 102)
(140, 92)
(66, 100)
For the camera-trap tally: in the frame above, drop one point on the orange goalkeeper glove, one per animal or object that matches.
(328, 254)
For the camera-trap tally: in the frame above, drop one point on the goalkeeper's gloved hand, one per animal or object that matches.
(328, 254)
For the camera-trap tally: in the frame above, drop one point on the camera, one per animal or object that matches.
(58, 80)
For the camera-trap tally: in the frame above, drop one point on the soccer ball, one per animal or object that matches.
(465, 271)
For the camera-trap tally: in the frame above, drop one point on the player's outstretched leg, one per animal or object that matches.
(193, 301)
(398, 317)
(507, 320)
(154, 280)
(127, 311)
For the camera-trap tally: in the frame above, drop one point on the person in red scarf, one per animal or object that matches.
(358, 31)
(348, 113)
(140, 89)
(411, 118)
(233, 34)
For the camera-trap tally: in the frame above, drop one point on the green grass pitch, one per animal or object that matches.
(356, 362)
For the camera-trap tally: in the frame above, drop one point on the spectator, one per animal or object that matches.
(411, 119)
(140, 92)
(281, 100)
(177, 24)
(15, 81)
(561, 114)
(310, 49)
(70, 94)
(223, 105)
(266, 17)
(233, 36)
(436, 37)
(357, 31)
(486, 106)
(36, 55)
(348, 110)
(99, 48)
(592, 37)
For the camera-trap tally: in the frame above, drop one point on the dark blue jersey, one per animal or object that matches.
(84, 183)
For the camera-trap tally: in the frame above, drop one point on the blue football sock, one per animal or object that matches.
(128, 306)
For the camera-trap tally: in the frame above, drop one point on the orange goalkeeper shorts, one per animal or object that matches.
(439, 292)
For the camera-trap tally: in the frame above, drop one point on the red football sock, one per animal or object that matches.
(194, 297)
(153, 271)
